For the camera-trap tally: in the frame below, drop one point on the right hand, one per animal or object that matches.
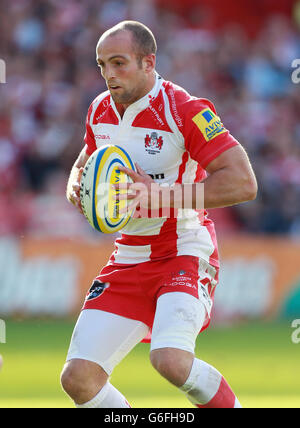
(75, 195)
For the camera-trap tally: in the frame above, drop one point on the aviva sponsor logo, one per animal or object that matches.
(209, 124)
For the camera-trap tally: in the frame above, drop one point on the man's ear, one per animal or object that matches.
(149, 62)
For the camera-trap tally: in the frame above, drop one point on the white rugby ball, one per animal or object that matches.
(98, 205)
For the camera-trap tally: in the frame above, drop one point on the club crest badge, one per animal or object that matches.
(96, 289)
(153, 143)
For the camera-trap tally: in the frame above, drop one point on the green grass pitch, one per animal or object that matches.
(258, 360)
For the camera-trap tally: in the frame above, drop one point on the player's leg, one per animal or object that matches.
(99, 342)
(179, 318)
(82, 379)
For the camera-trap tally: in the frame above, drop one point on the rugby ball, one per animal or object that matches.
(96, 195)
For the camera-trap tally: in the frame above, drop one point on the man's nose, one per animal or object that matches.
(109, 73)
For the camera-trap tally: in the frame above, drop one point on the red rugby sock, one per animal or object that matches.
(207, 388)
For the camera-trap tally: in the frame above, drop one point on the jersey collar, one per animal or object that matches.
(144, 102)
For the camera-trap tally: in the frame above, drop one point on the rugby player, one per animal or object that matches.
(162, 276)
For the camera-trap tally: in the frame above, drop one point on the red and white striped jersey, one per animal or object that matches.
(173, 137)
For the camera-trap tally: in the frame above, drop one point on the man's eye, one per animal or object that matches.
(119, 63)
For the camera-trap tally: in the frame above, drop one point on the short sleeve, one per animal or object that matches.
(89, 137)
(205, 135)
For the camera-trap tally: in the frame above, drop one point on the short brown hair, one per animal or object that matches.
(143, 38)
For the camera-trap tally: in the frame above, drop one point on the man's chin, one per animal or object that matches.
(120, 100)
(117, 98)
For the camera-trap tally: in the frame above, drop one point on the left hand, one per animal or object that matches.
(143, 192)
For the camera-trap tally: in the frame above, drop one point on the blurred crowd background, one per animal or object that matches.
(237, 54)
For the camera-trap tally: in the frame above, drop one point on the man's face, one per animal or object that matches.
(125, 77)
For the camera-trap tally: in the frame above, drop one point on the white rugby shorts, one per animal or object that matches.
(106, 338)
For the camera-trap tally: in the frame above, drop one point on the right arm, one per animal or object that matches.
(73, 186)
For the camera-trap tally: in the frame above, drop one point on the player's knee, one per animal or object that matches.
(173, 364)
(80, 379)
(73, 378)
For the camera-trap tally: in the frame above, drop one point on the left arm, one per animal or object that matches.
(231, 179)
